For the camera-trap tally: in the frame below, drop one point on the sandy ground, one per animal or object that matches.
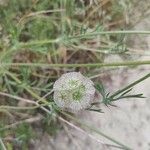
(128, 123)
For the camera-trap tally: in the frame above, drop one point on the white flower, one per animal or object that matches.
(73, 91)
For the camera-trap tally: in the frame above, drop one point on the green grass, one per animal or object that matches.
(39, 41)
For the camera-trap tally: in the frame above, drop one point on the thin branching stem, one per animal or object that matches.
(20, 108)
(42, 42)
(29, 120)
(26, 88)
(92, 65)
(130, 85)
(87, 35)
(17, 98)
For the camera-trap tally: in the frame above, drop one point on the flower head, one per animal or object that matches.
(73, 91)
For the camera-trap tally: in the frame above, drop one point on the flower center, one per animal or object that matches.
(78, 93)
(75, 91)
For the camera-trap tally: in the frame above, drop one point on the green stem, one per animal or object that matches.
(48, 41)
(32, 43)
(107, 32)
(2, 145)
(28, 89)
(113, 64)
(20, 108)
(130, 85)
